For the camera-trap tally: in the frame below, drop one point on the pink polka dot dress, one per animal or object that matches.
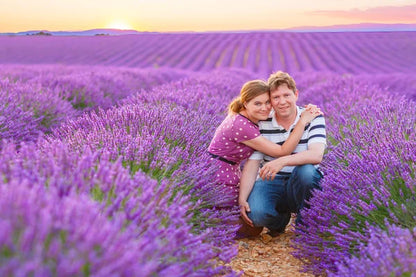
(228, 151)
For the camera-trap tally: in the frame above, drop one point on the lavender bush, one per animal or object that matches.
(388, 253)
(167, 142)
(41, 98)
(206, 93)
(43, 103)
(126, 147)
(74, 171)
(16, 123)
(149, 220)
(43, 235)
(369, 175)
(89, 87)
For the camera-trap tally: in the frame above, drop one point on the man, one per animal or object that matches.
(284, 183)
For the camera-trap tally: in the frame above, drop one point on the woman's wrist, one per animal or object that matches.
(303, 122)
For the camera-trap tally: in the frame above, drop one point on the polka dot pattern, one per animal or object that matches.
(227, 143)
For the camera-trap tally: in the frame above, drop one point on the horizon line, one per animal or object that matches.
(296, 28)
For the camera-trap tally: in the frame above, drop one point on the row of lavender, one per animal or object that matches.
(363, 222)
(120, 191)
(261, 52)
(128, 189)
(36, 99)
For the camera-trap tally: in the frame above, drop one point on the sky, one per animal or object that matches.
(197, 15)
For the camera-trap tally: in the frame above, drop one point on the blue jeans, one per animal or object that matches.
(272, 201)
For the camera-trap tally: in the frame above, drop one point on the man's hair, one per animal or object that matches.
(279, 78)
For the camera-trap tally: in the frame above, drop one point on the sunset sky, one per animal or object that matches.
(197, 15)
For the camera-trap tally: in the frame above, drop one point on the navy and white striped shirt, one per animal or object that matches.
(270, 129)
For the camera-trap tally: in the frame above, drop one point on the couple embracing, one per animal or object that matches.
(281, 145)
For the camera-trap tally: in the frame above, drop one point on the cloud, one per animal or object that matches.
(382, 14)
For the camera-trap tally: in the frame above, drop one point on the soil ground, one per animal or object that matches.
(264, 256)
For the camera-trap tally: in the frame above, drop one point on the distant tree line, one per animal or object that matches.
(40, 34)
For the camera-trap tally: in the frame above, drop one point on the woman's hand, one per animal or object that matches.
(311, 111)
(244, 209)
(269, 170)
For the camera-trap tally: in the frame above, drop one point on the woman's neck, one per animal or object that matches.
(244, 113)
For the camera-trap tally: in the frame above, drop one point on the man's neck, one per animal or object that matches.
(286, 122)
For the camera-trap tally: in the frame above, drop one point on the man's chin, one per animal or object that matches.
(283, 112)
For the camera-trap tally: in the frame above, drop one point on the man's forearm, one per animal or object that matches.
(310, 156)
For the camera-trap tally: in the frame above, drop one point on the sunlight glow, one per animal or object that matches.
(119, 24)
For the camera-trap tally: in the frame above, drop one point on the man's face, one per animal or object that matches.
(283, 101)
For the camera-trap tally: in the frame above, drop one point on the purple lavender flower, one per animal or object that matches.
(44, 235)
(141, 167)
(87, 87)
(153, 219)
(367, 180)
(17, 124)
(173, 150)
(387, 253)
(208, 93)
(44, 104)
(260, 52)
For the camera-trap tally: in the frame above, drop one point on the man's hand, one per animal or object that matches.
(313, 155)
(269, 170)
(244, 209)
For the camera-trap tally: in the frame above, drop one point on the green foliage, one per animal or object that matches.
(86, 269)
(403, 203)
(157, 171)
(6, 252)
(78, 100)
(99, 195)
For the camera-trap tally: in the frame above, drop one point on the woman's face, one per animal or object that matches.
(259, 107)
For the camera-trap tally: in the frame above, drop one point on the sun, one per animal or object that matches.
(120, 25)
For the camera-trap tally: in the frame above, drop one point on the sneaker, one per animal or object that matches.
(269, 235)
(265, 238)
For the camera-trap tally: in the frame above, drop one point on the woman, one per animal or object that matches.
(238, 136)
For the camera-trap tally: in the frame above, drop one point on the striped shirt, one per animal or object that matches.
(270, 129)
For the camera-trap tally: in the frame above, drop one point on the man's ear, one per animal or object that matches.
(297, 94)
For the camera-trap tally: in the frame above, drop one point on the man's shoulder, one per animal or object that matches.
(319, 120)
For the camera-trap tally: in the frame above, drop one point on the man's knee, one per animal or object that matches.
(262, 217)
(305, 171)
(307, 175)
(304, 179)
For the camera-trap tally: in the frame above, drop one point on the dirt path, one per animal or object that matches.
(265, 256)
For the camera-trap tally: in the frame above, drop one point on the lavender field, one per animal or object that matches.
(103, 164)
